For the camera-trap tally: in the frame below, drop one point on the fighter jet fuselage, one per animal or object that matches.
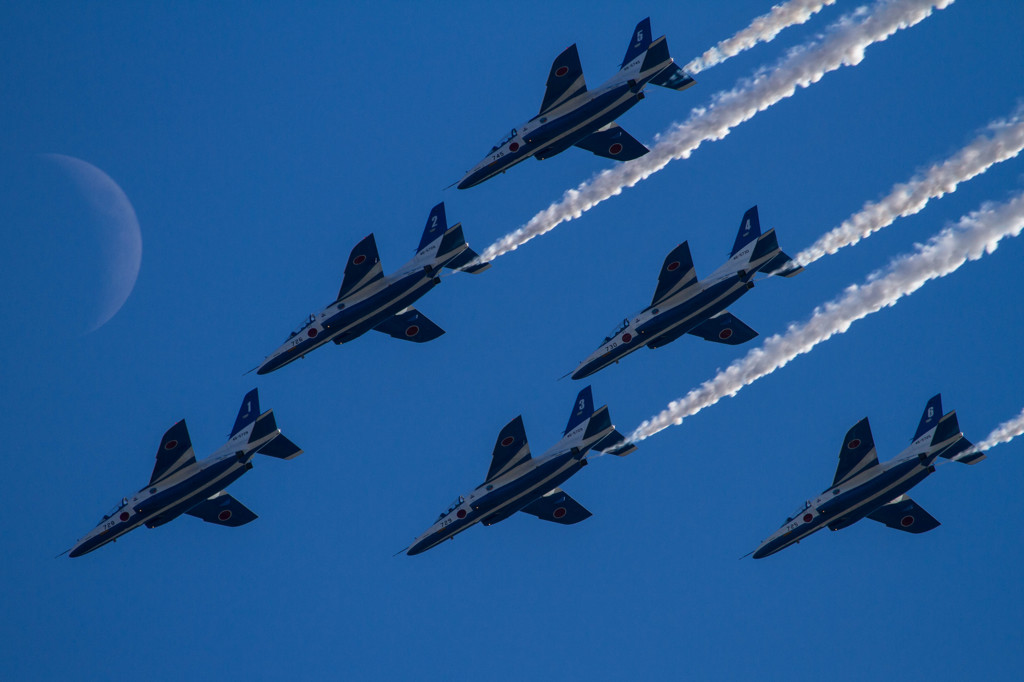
(518, 482)
(182, 485)
(572, 115)
(684, 305)
(864, 488)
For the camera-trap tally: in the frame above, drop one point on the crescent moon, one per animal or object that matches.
(121, 238)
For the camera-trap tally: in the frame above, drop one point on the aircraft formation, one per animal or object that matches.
(570, 115)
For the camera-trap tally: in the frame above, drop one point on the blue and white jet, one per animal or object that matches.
(181, 485)
(864, 488)
(570, 115)
(518, 482)
(369, 300)
(684, 305)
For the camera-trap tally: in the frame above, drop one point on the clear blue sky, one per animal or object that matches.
(259, 144)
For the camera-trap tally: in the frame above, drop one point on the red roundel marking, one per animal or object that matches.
(562, 70)
(907, 521)
(412, 330)
(124, 516)
(224, 515)
(359, 260)
(626, 338)
(461, 513)
(513, 147)
(507, 440)
(807, 518)
(170, 445)
(725, 333)
(311, 333)
(559, 512)
(672, 266)
(853, 444)
(615, 149)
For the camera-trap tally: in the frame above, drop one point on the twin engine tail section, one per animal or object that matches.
(947, 430)
(670, 76)
(447, 247)
(585, 424)
(263, 426)
(762, 245)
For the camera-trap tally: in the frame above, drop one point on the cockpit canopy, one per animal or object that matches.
(797, 512)
(302, 327)
(452, 507)
(622, 327)
(116, 509)
(505, 140)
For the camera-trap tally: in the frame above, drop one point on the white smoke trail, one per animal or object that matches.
(1003, 433)
(975, 235)
(761, 30)
(905, 199)
(843, 44)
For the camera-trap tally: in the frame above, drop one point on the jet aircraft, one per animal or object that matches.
(864, 488)
(369, 300)
(684, 305)
(181, 485)
(572, 115)
(518, 482)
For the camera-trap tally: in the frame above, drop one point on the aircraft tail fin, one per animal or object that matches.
(753, 251)
(437, 225)
(639, 43)
(247, 413)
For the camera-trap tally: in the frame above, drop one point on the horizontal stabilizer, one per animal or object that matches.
(462, 261)
(724, 328)
(174, 453)
(363, 267)
(565, 80)
(223, 510)
(281, 448)
(410, 325)
(904, 514)
(455, 242)
(615, 444)
(674, 78)
(557, 506)
(612, 142)
(677, 273)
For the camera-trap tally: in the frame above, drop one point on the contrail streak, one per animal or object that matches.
(761, 30)
(1005, 142)
(975, 235)
(1003, 433)
(843, 44)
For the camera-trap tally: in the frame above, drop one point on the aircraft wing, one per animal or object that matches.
(175, 452)
(857, 452)
(223, 510)
(363, 267)
(724, 328)
(904, 514)
(565, 80)
(510, 449)
(612, 142)
(557, 506)
(410, 325)
(677, 273)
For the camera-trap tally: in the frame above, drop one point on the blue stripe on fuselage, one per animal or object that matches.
(168, 504)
